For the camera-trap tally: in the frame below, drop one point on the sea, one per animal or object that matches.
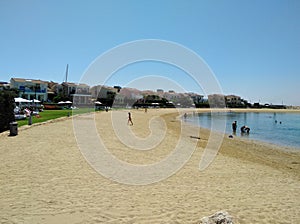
(278, 128)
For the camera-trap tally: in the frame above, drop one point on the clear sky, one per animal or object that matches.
(252, 46)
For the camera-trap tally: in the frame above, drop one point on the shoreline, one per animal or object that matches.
(249, 110)
(258, 141)
(44, 177)
(282, 152)
(190, 110)
(268, 144)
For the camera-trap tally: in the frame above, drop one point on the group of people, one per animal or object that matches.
(244, 129)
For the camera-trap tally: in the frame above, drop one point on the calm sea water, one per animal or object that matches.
(277, 128)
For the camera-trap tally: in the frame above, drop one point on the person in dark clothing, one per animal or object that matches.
(234, 126)
(245, 129)
(129, 119)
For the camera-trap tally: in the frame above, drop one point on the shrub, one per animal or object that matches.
(6, 109)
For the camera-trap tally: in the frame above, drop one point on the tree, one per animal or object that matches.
(153, 101)
(61, 97)
(109, 99)
(6, 108)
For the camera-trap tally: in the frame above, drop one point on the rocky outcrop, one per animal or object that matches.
(221, 217)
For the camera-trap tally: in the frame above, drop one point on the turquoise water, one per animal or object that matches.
(286, 131)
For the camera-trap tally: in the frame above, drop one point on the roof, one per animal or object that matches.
(232, 96)
(76, 94)
(37, 81)
(216, 95)
(75, 84)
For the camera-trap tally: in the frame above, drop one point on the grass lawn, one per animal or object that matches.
(53, 114)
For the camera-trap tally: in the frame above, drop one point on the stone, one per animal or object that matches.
(221, 217)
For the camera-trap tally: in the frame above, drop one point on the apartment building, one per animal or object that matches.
(30, 88)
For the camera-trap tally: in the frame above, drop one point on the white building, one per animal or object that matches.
(30, 88)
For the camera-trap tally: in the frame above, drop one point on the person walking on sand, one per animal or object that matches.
(234, 126)
(129, 119)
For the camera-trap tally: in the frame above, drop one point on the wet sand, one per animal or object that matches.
(44, 177)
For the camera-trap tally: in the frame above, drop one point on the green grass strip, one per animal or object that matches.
(53, 114)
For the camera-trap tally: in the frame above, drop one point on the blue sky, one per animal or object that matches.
(253, 47)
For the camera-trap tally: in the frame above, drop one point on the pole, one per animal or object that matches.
(34, 103)
(30, 119)
(67, 70)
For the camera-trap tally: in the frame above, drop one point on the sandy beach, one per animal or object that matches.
(44, 177)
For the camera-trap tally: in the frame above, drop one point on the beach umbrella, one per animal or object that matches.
(21, 100)
(36, 101)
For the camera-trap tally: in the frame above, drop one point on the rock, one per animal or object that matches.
(221, 217)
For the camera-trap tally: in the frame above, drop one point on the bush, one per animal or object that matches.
(6, 109)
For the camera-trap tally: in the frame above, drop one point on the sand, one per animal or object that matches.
(44, 177)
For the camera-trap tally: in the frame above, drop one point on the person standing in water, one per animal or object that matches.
(234, 126)
(129, 119)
